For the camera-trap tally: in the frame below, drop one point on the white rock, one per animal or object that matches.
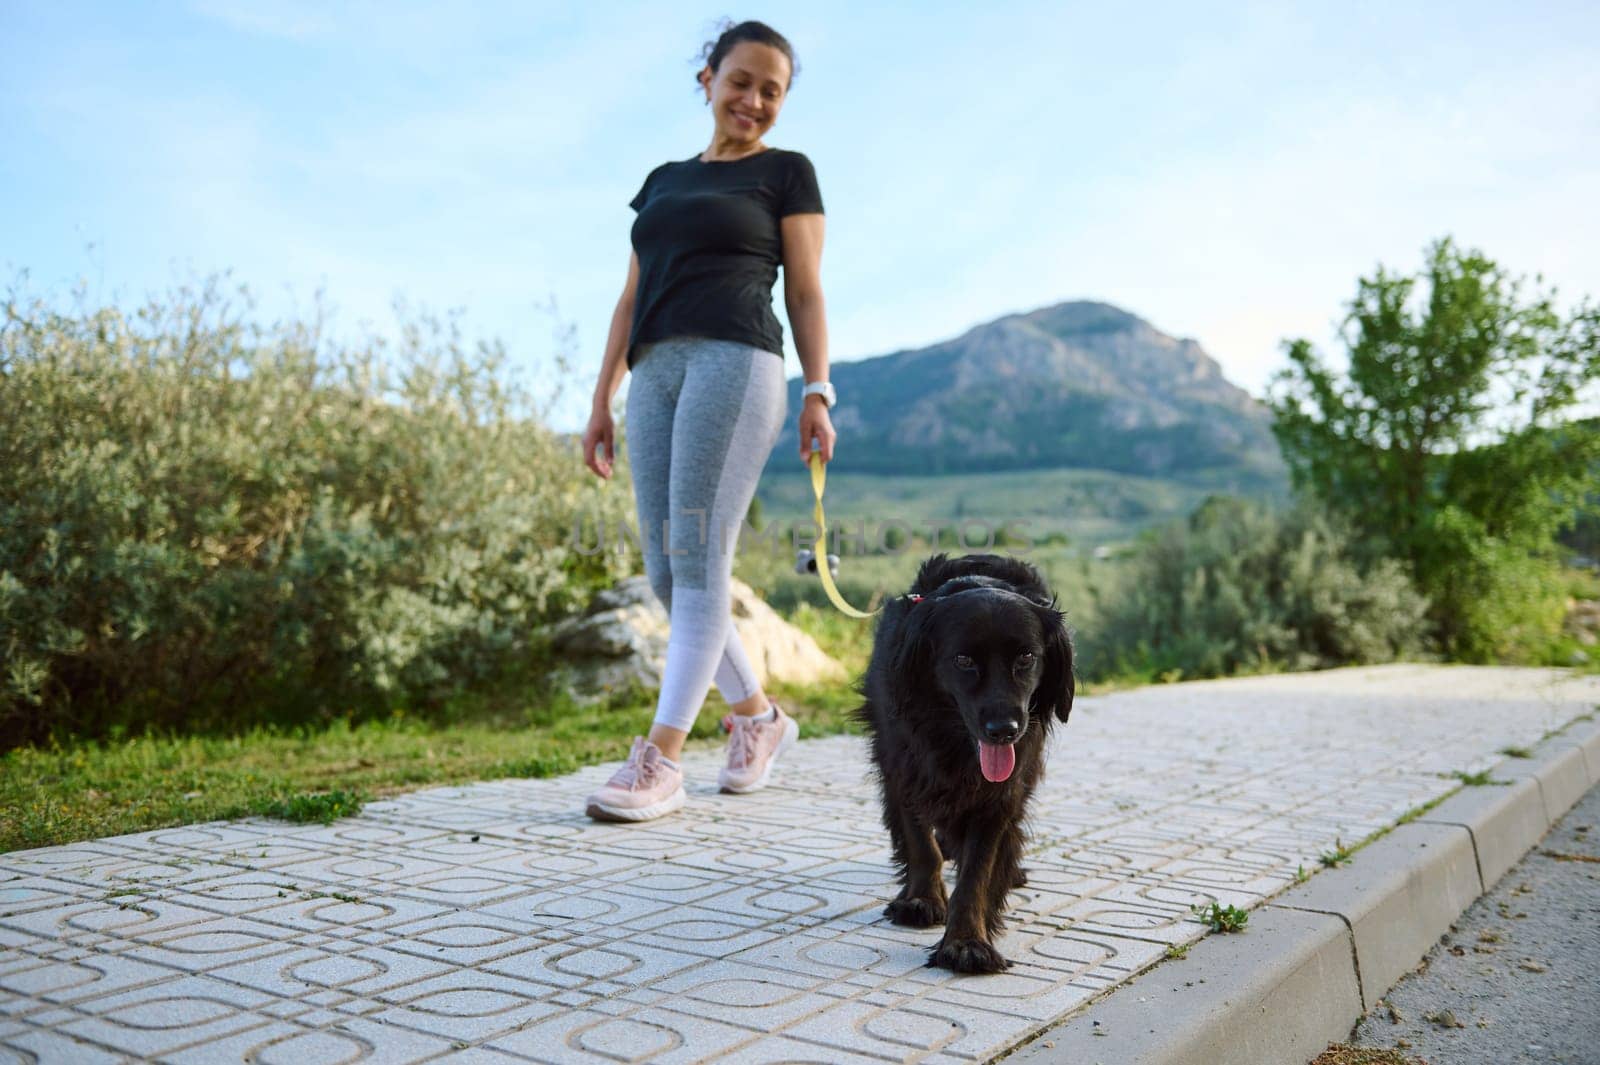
(622, 638)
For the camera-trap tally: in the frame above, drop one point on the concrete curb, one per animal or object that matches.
(1591, 752)
(1223, 1005)
(1563, 778)
(1396, 900)
(1500, 819)
(1506, 819)
(1317, 956)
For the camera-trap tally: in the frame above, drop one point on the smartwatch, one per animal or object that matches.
(823, 389)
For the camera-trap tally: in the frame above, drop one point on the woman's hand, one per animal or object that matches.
(601, 431)
(815, 425)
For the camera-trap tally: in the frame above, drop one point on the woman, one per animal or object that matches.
(709, 398)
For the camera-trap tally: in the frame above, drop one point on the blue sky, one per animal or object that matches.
(1224, 171)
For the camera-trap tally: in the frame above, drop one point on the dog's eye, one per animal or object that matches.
(1024, 660)
(964, 662)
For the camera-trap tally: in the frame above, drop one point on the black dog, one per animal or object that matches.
(968, 672)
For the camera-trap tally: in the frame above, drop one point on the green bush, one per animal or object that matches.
(1237, 587)
(1449, 440)
(1487, 554)
(203, 520)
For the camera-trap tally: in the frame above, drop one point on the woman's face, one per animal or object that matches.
(747, 91)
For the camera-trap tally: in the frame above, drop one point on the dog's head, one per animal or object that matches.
(1004, 660)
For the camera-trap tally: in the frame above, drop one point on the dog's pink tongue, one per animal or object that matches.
(996, 761)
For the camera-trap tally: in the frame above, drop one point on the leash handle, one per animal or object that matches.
(818, 477)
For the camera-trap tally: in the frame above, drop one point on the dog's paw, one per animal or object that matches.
(967, 956)
(915, 913)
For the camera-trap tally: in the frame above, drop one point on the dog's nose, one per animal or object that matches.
(1003, 730)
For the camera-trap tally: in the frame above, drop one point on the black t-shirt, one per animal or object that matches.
(709, 246)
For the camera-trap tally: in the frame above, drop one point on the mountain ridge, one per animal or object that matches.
(1081, 383)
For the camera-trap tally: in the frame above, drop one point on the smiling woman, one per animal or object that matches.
(695, 326)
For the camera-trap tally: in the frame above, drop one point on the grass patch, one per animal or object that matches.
(1221, 918)
(1177, 951)
(1516, 752)
(1342, 854)
(70, 791)
(1412, 814)
(324, 807)
(1481, 779)
(1552, 733)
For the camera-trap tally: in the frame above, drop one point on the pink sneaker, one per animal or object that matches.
(752, 748)
(643, 789)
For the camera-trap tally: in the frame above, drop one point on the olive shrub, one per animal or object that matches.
(205, 520)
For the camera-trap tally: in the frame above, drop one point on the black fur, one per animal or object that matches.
(924, 715)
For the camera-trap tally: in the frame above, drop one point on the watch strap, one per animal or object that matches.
(821, 388)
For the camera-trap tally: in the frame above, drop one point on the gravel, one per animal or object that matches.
(1517, 979)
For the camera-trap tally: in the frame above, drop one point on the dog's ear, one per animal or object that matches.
(909, 661)
(1058, 684)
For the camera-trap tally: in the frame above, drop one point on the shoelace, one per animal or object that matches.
(635, 772)
(741, 744)
(645, 775)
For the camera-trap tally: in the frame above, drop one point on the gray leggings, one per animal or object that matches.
(702, 418)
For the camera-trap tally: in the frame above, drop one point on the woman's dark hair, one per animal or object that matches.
(750, 30)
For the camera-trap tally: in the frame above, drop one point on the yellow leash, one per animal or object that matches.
(818, 477)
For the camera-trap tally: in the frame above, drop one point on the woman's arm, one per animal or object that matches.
(802, 292)
(613, 368)
(802, 295)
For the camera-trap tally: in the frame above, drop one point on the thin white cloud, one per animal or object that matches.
(296, 20)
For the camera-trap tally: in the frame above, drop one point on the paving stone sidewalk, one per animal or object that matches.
(496, 923)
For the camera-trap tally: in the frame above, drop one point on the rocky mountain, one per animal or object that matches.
(1080, 384)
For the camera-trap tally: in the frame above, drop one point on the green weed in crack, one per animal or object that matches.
(1221, 918)
(1340, 855)
(1480, 779)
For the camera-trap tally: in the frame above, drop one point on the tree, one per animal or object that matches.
(1446, 441)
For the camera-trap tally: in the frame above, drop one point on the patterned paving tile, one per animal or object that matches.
(495, 923)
